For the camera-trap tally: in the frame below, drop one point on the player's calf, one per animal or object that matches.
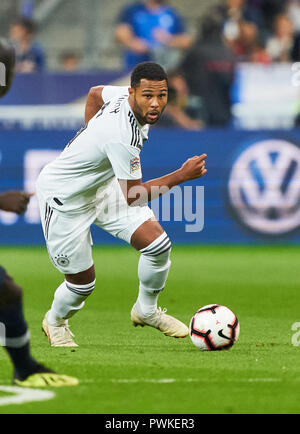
(154, 266)
(69, 298)
(153, 270)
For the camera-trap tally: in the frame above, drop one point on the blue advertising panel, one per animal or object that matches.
(251, 193)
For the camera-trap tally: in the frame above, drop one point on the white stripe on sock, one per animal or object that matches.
(17, 342)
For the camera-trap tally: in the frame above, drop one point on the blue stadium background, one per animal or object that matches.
(165, 151)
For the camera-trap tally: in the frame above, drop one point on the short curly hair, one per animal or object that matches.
(149, 71)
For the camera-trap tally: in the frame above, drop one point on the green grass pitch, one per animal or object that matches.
(130, 370)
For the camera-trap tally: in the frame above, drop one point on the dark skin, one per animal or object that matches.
(147, 102)
(14, 201)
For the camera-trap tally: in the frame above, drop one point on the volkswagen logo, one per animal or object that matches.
(264, 187)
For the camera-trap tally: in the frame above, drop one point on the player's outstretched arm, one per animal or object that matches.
(94, 102)
(14, 201)
(138, 193)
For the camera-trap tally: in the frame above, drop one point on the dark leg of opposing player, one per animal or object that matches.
(27, 371)
(16, 339)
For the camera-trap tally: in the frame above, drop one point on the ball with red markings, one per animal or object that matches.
(214, 328)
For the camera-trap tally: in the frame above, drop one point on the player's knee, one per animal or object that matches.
(81, 290)
(159, 251)
(11, 293)
(86, 277)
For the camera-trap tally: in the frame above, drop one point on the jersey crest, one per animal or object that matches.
(135, 164)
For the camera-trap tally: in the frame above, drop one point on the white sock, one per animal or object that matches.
(146, 303)
(68, 299)
(153, 271)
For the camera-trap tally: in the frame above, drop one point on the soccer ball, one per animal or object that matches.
(214, 328)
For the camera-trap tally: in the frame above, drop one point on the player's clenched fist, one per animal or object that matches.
(14, 201)
(194, 167)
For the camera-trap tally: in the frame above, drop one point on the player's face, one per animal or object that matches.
(149, 100)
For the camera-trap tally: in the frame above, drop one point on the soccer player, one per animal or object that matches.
(16, 340)
(97, 179)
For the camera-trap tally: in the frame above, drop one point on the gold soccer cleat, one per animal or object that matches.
(60, 336)
(167, 324)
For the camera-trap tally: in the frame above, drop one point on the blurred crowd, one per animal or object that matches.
(201, 67)
(201, 78)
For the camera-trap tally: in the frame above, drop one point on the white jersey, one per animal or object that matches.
(108, 146)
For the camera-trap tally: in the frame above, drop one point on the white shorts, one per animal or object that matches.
(68, 235)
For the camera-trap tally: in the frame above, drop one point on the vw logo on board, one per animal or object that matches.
(264, 187)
